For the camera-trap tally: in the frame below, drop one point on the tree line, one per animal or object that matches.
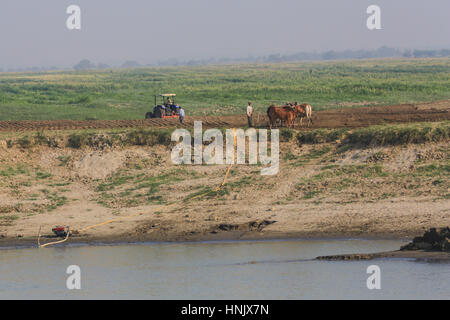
(382, 52)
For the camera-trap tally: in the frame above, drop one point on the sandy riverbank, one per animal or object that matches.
(325, 190)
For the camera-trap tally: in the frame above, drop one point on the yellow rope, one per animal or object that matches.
(141, 213)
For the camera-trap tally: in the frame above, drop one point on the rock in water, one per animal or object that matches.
(431, 240)
(446, 244)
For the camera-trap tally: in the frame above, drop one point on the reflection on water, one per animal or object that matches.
(217, 270)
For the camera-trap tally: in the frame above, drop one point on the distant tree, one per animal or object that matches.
(169, 62)
(407, 54)
(274, 58)
(84, 65)
(445, 53)
(329, 55)
(192, 63)
(102, 66)
(424, 53)
(130, 64)
(384, 52)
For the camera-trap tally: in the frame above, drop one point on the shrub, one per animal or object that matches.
(380, 135)
(400, 134)
(82, 100)
(77, 140)
(24, 142)
(286, 134)
(40, 138)
(148, 137)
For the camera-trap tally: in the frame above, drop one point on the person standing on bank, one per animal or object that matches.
(181, 114)
(249, 114)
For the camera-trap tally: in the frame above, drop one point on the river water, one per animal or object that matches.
(218, 270)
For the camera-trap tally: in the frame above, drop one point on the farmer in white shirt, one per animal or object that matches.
(181, 114)
(249, 113)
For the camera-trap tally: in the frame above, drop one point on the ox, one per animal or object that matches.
(286, 114)
(305, 113)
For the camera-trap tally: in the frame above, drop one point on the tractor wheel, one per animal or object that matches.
(157, 113)
(149, 115)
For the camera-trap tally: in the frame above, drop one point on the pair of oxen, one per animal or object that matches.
(288, 113)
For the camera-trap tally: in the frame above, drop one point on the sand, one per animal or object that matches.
(45, 187)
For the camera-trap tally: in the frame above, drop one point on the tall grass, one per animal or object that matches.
(380, 135)
(218, 90)
(398, 134)
(139, 137)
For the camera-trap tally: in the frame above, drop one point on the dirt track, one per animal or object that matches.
(346, 117)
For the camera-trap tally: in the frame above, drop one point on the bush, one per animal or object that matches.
(400, 134)
(24, 142)
(286, 134)
(151, 137)
(85, 99)
(77, 140)
(380, 135)
(40, 138)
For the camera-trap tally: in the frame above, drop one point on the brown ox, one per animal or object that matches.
(301, 111)
(286, 114)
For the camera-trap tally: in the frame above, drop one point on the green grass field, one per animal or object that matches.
(224, 89)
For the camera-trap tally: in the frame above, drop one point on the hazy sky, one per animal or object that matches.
(34, 33)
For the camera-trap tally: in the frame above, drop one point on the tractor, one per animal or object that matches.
(166, 109)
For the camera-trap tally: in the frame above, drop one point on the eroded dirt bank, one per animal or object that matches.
(322, 190)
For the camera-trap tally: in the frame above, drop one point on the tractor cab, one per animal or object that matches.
(167, 108)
